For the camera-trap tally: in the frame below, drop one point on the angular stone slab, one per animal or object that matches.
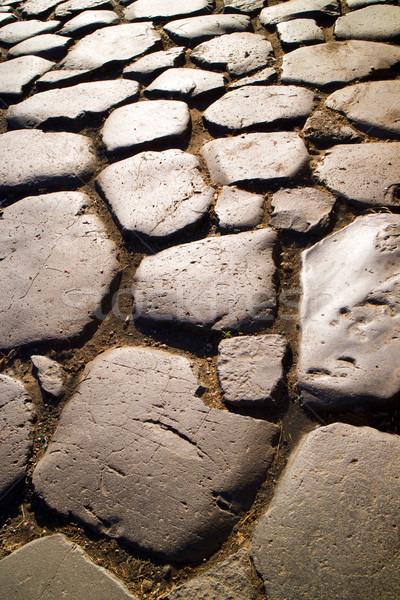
(185, 84)
(300, 31)
(199, 29)
(6, 18)
(293, 9)
(14, 33)
(156, 193)
(259, 106)
(236, 209)
(62, 78)
(58, 568)
(349, 316)
(53, 280)
(71, 106)
(237, 53)
(156, 10)
(73, 7)
(364, 174)
(48, 45)
(374, 23)
(155, 63)
(331, 528)
(17, 74)
(88, 21)
(323, 129)
(50, 375)
(37, 8)
(338, 63)
(248, 7)
(255, 157)
(250, 369)
(148, 462)
(219, 283)
(16, 417)
(262, 77)
(302, 209)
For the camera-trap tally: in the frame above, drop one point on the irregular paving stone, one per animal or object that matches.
(62, 78)
(300, 31)
(5, 19)
(79, 104)
(249, 107)
(16, 416)
(88, 21)
(112, 45)
(337, 63)
(286, 11)
(156, 193)
(53, 567)
(360, 3)
(250, 369)
(248, 7)
(163, 471)
(73, 7)
(237, 53)
(153, 122)
(50, 375)
(374, 107)
(154, 10)
(14, 33)
(365, 174)
(262, 77)
(53, 280)
(199, 29)
(37, 8)
(255, 157)
(185, 84)
(236, 208)
(323, 130)
(48, 45)
(6, 9)
(155, 63)
(375, 23)
(218, 283)
(331, 530)
(350, 316)
(17, 74)
(302, 209)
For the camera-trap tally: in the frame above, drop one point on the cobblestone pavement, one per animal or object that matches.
(200, 299)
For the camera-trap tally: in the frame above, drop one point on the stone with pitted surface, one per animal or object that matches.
(300, 31)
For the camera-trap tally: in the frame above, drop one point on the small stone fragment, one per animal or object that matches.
(237, 209)
(73, 7)
(324, 130)
(88, 21)
(199, 29)
(185, 84)
(62, 78)
(17, 74)
(153, 64)
(48, 45)
(262, 77)
(156, 10)
(305, 210)
(373, 23)
(293, 9)
(50, 375)
(249, 7)
(14, 33)
(299, 32)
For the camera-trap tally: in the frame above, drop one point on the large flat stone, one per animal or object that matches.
(349, 316)
(14, 33)
(156, 10)
(236, 209)
(299, 32)
(302, 209)
(148, 462)
(151, 65)
(374, 23)
(17, 74)
(331, 530)
(199, 29)
(185, 84)
(286, 11)
(68, 9)
(37, 8)
(88, 21)
(255, 157)
(219, 283)
(57, 265)
(248, 7)
(47, 45)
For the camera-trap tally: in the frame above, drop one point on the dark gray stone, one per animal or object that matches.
(50, 375)
(17, 74)
(37, 8)
(73, 7)
(299, 32)
(88, 21)
(302, 209)
(48, 45)
(148, 462)
(155, 63)
(155, 10)
(199, 29)
(14, 33)
(286, 11)
(185, 84)
(62, 78)
(373, 23)
(249, 7)
(323, 130)
(236, 209)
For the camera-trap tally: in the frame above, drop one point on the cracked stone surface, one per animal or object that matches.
(170, 474)
(62, 78)
(349, 316)
(70, 8)
(262, 77)
(334, 518)
(218, 283)
(302, 209)
(50, 375)
(17, 74)
(286, 11)
(300, 31)
(374, 23)
(155, 63)
(199, 29)
(88, 21)
(185, 84)
(14, 33)
(165, 9)
(156, 193)
(48, 45)
(53, 282)
(324, 130)
(237, 208)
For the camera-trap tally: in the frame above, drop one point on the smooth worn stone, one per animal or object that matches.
(148, 462)
(364, 174)
(331, 529)
(373, 107)
(48, 45)
(37, 8)
(73, 7)
(72, 106)
(293, 9)
(199, 29)
(149, 123)
(112, 46)
(262, 77)
(324, 130)
(250, 369)
(6, 18)
(338, 63)
(255, 157)
(50, 375)
(300, 31)
(14, 33)
(156, 193)
(88, 21)
(302, 209)
(249, 7)
(374, 23)
(17, 74)
(62, 78)
(259, 106)
(53, 567)
(16, 417)
(151, 65)
(156, 10)
(237, 209)
(219, 283)
(237, 53)
(349, 316)
(57, 266)
(185, 84)
(353, 4)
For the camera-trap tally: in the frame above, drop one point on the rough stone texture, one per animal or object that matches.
(350, 318)
(5, 19)
(236, 209)
(338, 63)
(37, 8)
(156, 193)
(324, 130)
(300, 31)
(365, 174)
(250, 369)
(262, 77)
(53, 567)
(53, 280)
(286, 11)
(165, 9)
(155, 63)
(218, 283)
(79, 104)
(374, 107)
(72, 7)
(50, 375)
(48, 45)
(259, 106)
(302, 209)
(185, 83)
(17, 74)
(149, 462)
(374, 23)
(112, 45)
(14, 33)
(89, 21)
(237, 53)
(248, 7)
(132, 126)
(62, 78)
(32, 160)
(255, 157)
(331, 530)
(199, 29)
(16, 416)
